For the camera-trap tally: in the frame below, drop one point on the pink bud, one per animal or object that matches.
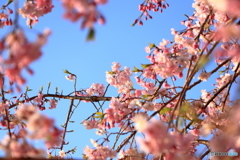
(166, 85)
(195, 45)
(5, 23)
(10, 22)
(30, 71)
(180, 74)
(138, 93)
(2, 45)
(101, 20)
(10, 11)
(174, 78)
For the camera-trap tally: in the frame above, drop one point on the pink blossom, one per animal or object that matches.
(70, 77)
(3, 107)
(62, 154)
(204, 76)
(96, 89)
(100, 152)
(148, 106)
(205, 95)
(42, 3)
(101, 131)
(137, 93)
(3, 16)
(101, 1)
(85, 10)
(226, 6)
(90, 124)
(166, 85)
(39, 98)
(147, 49)
(21, 150)
(223, 79)
(119, 79)
(226, 32)
(116, 66)
(32, 10)
(39, 126)
(140, 120)
(22, 54)
(157, 141)
(14, 75)
(53, 103)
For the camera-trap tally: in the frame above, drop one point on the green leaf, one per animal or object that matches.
(135, 22)
(91, 35)
(220, 72)
(203, 61)
(9, 2)
(145, 97)
(73, 150)
(85, 157)
(145, 65)
(185, 107)
(27, 89)
(197, 120)
(135, 69)
(110, 72)
(152, 45)
(165, 110)
(99, 115)
(66, 71)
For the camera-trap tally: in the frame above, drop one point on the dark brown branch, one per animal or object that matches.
(125, 141)
(66, 123)
(81, 98)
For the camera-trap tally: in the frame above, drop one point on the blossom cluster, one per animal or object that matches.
(85, 10)
(171, 120)
(101, 152)
(21, 54)
(152, 5)
(39, 126)
(29, 124)
(5, 19)
(33, 10)
(119, 78)
(174, 145)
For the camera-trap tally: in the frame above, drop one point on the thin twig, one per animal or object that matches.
(66, 123)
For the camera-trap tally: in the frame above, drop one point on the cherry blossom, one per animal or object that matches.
(85, 10)
(32, 11)
(167, 108)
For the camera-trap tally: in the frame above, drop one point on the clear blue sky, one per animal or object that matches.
(116, 41)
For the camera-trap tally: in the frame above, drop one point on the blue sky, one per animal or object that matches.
(116, 41)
